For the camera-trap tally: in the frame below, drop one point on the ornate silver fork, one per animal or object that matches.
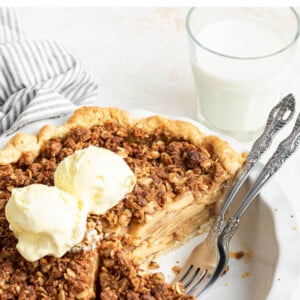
(285, 149)
(204, 258)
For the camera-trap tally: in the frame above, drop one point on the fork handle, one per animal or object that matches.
(280, 115)
(285, 149)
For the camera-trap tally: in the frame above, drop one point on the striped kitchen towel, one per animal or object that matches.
(39, 79)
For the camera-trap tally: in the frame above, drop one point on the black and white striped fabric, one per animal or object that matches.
(39, 79)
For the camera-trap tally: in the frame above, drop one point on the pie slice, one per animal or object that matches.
(182, 177)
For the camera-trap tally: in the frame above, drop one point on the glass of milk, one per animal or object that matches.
(240, 58)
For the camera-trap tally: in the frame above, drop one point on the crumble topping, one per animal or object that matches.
(47, 278)
(166, 168)
(121, 278)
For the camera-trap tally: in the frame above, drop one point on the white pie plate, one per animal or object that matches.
(267, 229)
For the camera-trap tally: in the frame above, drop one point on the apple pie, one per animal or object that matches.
(182, 177)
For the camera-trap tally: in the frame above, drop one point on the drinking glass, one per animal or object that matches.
(240, 59)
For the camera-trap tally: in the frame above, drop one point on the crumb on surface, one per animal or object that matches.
(226, 284)
(245, 274)
(153, 265)
(236, 255)
(292, 216)
(275, 209)
(176, 270)
(294, 228)
(225, 270)
(248, 256)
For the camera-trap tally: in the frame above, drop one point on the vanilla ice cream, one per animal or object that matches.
(45, 220)
(97, 176)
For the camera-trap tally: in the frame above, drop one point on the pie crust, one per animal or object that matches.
(91, 116)
(114, 257)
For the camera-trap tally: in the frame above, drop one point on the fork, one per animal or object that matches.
(204, 258)
(285, 149)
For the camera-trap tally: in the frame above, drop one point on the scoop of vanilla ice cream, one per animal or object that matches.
(45, 220)
(96, 175)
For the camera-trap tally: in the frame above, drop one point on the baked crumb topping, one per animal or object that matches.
(165, 167)
(48, 278)
(121, 278)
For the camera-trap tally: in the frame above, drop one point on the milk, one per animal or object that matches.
(236, 95)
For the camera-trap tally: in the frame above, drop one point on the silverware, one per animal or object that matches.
(285, 149)
(202, 262)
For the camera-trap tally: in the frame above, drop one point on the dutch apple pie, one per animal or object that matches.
(182, 176)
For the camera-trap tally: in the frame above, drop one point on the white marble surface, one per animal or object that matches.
(140, 59)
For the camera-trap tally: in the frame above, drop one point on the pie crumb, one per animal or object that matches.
(248, 256)
(236, 255)
(176, 270)
(225, 270)
(153, 265)
(245, 274)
